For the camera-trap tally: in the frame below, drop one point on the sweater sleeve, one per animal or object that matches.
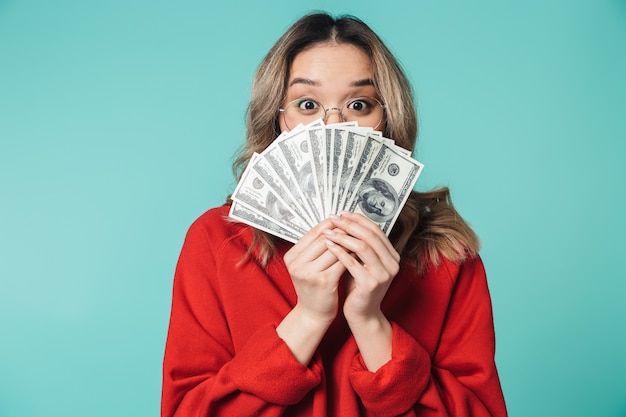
(202, 374)
(393, 388)
(460, 380)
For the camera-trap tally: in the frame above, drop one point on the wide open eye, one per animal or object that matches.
(361, 105)
(307, 105)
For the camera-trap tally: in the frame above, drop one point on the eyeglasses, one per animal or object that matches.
(366, 111)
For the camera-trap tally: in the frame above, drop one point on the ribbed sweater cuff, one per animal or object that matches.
(395, 387)
(266, 368)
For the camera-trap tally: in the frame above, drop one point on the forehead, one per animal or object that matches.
(326, 61)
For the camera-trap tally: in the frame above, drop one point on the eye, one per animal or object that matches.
(307, 105)
(361, 105)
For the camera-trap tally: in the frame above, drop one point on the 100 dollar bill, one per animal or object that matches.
(382, 192)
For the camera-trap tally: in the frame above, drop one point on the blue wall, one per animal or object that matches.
(119, 119)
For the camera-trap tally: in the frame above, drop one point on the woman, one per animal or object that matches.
(346, 322)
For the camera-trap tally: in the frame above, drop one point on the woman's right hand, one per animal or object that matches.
(315, 273)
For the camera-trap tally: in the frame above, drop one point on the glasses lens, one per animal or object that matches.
(302, 111)
(367, 111)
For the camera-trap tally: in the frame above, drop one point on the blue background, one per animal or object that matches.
(119, 120)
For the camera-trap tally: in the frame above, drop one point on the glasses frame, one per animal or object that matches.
(338, 109)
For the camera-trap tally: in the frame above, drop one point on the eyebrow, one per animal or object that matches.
(308, 81)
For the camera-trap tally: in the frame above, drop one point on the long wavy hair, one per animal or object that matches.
(428, 226)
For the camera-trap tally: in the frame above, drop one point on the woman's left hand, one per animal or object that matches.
(372, 262)
(370, 258)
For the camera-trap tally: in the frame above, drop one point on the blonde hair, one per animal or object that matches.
(428, 226)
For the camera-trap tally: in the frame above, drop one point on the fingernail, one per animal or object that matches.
(330, 243)
(328, 232)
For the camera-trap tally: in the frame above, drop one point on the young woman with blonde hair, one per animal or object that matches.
(346, 322)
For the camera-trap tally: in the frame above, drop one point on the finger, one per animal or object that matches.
(361, 257)
(349, 261)
(302, 253)
(315, 232)
(368, 236)
(337, 268)
(325, 261)
(349, 243)
(372, 227)
(310, 246)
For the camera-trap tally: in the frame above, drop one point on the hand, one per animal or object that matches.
(315, 272)
(372, 262)
(370, 258)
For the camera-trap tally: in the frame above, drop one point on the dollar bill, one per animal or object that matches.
(247, 215)
(366, 158)
(328, 144)
(296, 152)
(340, 138)
(273, 156)
(255, 193)
(334, 146)
(317, 144)
(385, 187)
(349, 158)
(275, 181)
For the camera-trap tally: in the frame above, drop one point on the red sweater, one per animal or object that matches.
(223, 356)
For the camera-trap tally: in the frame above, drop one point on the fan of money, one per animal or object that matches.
(316, 170)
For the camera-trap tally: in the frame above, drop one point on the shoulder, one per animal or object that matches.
(445, 269)
(215, 228)
(471, 265)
